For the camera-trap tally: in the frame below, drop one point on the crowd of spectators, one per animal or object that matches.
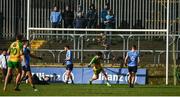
(79, 19)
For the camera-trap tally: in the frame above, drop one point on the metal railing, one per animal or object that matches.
(80, 45)
(58, 59)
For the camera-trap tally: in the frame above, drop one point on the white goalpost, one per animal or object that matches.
(167, 41)
(29, 29)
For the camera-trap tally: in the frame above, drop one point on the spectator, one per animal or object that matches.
(80, 21)
(109, 24)
(68, 17)
(55, 18)
(92, 17)
(79, 11)
(103, 14)
(109, 21)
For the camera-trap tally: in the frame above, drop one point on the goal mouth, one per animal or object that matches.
(166, 30)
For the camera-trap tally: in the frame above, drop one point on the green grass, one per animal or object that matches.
(92, 90)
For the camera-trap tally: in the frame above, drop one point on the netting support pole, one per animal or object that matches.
(28, 14)
(167, 42)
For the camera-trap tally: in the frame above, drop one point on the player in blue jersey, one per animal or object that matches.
(26, 69)
(69, 64)
(132, 60)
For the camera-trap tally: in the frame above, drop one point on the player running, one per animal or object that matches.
(132, 60)
(69, 64)
(97, 68)
(15, 52)
(26, 69)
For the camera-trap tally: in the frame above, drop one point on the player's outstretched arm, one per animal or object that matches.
(92, 61)
(89, 65)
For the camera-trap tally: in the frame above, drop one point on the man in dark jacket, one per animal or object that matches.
(80, 21)
(91, 17)
(68, 17)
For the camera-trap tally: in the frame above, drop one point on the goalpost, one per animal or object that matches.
(112, 30)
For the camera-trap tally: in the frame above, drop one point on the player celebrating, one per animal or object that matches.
(97, 68)
(15, 52)
(132, 59)
(26, 63)
(69, 64)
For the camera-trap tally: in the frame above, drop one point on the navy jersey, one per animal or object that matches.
(26, 51)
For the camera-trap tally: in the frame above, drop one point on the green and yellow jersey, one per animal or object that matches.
(97, 68)
(15, 51)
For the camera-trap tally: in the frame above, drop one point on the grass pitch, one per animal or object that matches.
(57, 89)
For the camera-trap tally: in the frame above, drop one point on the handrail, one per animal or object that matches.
(82, 49)
(99, 30)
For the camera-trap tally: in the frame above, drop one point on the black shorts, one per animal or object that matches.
(132, 69)
(4, 72)
(26, 68)
(69, 67)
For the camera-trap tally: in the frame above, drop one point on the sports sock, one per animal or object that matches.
(33, 87)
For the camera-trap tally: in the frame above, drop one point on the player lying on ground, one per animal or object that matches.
(97, 68)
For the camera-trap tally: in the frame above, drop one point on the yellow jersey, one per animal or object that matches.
(15, 51)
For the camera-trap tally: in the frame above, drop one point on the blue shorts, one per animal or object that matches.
(69, 67)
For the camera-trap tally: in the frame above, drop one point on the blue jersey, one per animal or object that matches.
(132, 58)
(26, 56)
(55, 17)
(69, 55)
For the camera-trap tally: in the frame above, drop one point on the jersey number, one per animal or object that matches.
(132, 58)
